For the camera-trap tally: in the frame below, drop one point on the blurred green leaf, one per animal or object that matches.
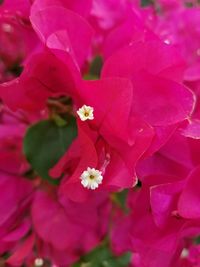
(96, 66)
(103, 257)
(46, 142)
(61, 122)
(197, 240)
(95, 69)
(146, 2)
(119, 199)
(122, 196)
(189, 4)
(90, 77)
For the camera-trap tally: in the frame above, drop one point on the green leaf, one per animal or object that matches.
(197, 240)
(146, 2)
(103, 257)
(90, 77)
(96, 66)
(45, 143)
(95, 69)
(189, 4)
(61, 122)
(119, 199)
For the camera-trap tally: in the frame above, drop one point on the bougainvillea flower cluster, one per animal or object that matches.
(100, 133)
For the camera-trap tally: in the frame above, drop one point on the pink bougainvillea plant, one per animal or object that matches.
(100, 133)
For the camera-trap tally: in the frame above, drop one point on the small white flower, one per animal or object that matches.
(39, 262)
(184, 253)
(91, 178)
(86, 113)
